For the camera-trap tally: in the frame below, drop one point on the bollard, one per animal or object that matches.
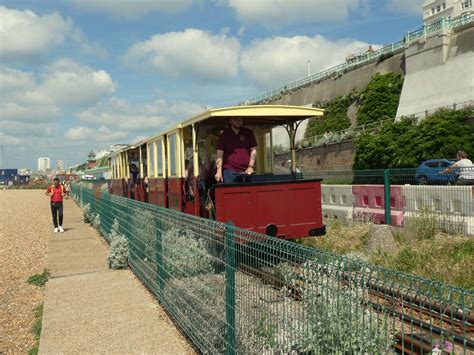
(230, 288)
(386, 184)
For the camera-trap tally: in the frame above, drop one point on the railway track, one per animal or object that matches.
(428, 322)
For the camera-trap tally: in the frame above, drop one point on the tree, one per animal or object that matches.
(406, 143)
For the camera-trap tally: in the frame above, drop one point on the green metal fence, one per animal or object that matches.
(234, 291)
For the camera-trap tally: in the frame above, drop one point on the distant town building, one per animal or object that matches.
(44, 164)
(91, 160)
(11, 177)
(435, 10)
(60, 165)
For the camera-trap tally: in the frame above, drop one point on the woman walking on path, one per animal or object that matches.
(57, 193)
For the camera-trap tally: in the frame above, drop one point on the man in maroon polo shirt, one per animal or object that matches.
(236, 152)
(56, 191)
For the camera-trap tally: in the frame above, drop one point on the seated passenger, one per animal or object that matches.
(236, 153)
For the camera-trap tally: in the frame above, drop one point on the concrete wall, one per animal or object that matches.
(439, 72)
(335, 157)
(356, 79)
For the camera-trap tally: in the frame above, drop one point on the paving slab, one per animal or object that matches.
(91, 309)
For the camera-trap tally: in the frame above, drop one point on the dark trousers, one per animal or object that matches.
(57, 209)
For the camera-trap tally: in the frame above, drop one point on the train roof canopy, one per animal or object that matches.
(272, 115)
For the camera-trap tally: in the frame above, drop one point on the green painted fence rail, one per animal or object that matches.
(236, 292)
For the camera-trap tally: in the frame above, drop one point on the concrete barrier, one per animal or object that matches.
(370, 203)
(452, 206)
(338, 201)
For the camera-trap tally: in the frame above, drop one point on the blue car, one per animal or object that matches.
(429, 172)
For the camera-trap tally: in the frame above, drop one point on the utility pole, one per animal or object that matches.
(309, 67)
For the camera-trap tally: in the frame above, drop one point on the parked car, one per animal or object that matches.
(429, 172)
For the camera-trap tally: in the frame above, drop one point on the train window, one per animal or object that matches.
(172, 154)
(151, 160)
(159, 156)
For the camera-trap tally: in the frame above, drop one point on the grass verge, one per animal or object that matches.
(39, 279)
(36, 329)
(442, 257)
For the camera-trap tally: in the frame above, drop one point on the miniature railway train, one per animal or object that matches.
(175, 169)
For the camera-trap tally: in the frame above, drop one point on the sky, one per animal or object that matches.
(81, 75)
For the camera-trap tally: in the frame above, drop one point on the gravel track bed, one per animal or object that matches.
(25, 224)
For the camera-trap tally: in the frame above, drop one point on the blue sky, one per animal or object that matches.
(77, 75)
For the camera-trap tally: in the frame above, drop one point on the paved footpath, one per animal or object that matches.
(89, 308)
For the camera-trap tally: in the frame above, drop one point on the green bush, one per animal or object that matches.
(39, 279)
(118, 253)
(380, 98)
(334, 119)
(406, 143)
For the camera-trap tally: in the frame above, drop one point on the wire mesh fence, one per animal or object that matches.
(234, 291)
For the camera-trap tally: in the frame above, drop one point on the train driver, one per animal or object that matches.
(236, 153)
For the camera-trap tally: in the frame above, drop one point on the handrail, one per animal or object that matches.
(366, 57)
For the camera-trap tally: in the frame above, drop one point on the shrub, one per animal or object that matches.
(39, 279)
(118, 254)
(186, 254)
(335, 319)
(335, 117)
(380, 98)
(406, 143)
(86, 212)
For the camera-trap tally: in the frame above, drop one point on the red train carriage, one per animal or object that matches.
(175, 169)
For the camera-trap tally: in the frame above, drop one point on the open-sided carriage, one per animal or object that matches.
(175, 169)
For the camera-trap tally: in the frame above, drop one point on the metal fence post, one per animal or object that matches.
(386, 185)
(160, 271)
(230, 288)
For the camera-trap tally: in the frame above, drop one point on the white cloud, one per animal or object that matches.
(23, 34)
(131, 9)
(276, 61)
(21, 99)
(120, 115)
(192, 53)
(70, 83)
(66, 83)
(101, 134)
(406, 6)
(282, 12)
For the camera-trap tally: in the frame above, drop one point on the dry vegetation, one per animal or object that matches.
(440, 256)
(24, 229)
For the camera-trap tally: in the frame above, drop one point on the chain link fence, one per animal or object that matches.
(236, 292)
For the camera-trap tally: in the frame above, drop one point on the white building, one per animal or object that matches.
(435, 10)
(44, 164)
(60, 165)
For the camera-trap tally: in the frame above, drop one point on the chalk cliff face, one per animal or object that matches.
(439, 72)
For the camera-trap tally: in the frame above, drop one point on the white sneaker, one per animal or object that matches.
(56, 230)
(61, 229)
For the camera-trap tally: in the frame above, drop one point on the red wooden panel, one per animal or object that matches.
(175, 194)
(294, 207)
(157, 191)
